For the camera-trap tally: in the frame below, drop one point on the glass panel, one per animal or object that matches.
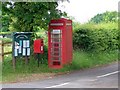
(55, 40)
(56, 63)
(56, 58)
(56, 45)
(55, 35)
(56, 54)
(56, 49)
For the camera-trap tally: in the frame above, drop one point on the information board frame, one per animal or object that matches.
(21, 46)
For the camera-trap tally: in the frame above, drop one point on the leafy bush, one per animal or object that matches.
(92, 37)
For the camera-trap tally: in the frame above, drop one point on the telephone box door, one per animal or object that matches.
(55, 46)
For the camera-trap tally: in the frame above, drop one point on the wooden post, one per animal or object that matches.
(13, 57)
(1, 51)
(14, 62)
(26, 60)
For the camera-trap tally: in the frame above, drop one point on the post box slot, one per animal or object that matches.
(41, 42)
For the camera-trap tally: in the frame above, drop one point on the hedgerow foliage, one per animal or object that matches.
(96, 37)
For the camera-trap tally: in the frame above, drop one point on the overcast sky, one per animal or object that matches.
(83, 10)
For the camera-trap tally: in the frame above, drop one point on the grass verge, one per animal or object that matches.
(81, 60)
(91, 59)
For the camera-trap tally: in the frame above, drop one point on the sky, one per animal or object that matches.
(83, 10)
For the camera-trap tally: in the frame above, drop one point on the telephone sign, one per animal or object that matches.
(21, 44)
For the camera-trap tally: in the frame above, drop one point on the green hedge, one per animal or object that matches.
(91, 37)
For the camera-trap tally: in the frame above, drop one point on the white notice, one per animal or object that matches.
(15, 52)
(28, 51)
(16, 47)
(24, 43)
(20, 49)
(27, 43)
(24, 52)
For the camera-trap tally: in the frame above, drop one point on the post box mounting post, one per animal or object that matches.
(38, 49)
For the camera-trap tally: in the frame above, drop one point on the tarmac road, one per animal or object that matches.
(100, 77)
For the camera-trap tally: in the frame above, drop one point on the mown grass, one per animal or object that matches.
(81, 60)
(84, 59)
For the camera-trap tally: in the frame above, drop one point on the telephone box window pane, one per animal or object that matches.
(56, 49)
(56, 54)
(56, 40)
(56, 63)
(56, 58)
(56, 45)
(56, 36)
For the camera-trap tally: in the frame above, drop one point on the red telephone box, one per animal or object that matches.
(38, 46)
(59, 43)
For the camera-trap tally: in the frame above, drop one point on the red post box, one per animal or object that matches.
(59, 43)
(38, 46)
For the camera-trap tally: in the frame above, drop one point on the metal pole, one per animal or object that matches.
(38, 55)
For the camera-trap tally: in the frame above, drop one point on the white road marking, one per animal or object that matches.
(85, 80)
(58, 85)
(93, 80)
(108, 74)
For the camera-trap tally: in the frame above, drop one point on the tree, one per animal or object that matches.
(105, 17)
(28, 16)
(5, 23)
